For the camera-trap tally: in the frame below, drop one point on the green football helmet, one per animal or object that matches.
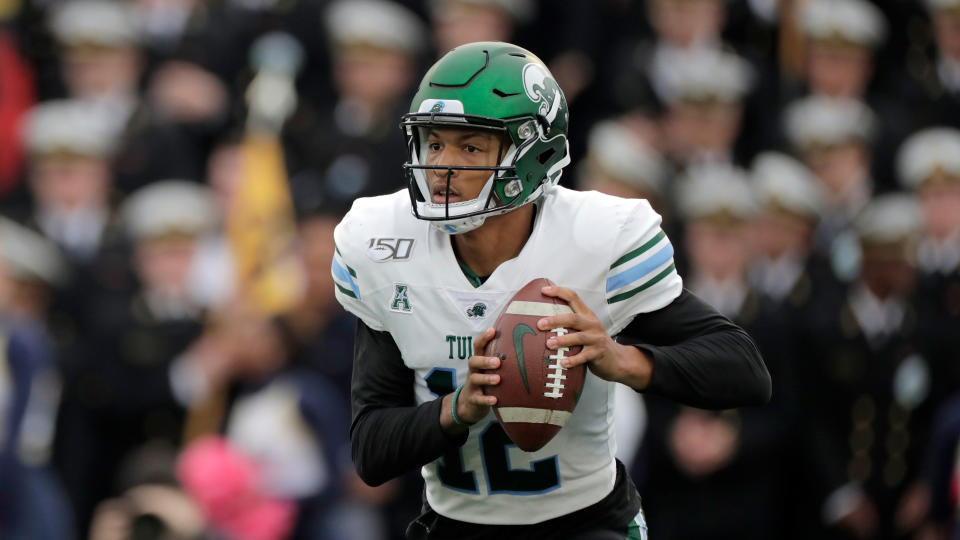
(492, 86)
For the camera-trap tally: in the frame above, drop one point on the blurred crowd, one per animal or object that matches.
(175, 364)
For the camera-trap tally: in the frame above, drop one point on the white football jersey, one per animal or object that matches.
(399, 274)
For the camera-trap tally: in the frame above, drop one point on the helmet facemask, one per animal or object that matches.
(502, 192)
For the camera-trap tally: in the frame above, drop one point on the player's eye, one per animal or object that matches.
(471, 149)
(434, 146)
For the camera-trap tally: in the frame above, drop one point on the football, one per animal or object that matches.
(536, 395)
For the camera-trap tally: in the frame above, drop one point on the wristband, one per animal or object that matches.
(453, 407)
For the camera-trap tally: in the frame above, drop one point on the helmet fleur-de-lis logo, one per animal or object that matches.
(540, 87)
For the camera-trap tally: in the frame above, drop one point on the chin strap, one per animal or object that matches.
(459, 226)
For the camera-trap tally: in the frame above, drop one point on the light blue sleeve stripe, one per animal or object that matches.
(641, 270)
(341, 273)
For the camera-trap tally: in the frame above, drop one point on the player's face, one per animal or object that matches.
(460, 147)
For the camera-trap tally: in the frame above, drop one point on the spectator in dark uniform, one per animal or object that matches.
(143, 366)
(100, 57)
(796, 278)
(678, 26)
(70, 146)
(102, 64)
(937, 71)
(69, 177)
(842, 40)
(865, 385)
(352, 148)
(785, 267)
(726, 468)
(833, 137)
(842, 36)
(929, 165)
(704, 93)
(639, 77)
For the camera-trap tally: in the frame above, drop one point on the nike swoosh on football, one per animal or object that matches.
(519, 331)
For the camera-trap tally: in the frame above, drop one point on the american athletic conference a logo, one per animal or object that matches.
(540, 87)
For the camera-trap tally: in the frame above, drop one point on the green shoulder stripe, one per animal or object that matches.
(637, 252)
(352, 272)
(653, 281)
(345, 290)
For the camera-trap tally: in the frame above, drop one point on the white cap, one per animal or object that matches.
(927, 152)
(101, 22)
(70, 126)
(169, 207)
(852, 21)
(624, 155)
(781, 181)
(520, 10)
(27, 255)
(379, 23)
(706, 74)
(890, 218)
(822, 121)
(713, 191)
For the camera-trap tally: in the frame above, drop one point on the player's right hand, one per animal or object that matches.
(473, 404)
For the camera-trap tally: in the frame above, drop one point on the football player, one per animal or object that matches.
(427, 270)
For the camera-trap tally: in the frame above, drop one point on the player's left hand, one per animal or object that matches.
(605, 357)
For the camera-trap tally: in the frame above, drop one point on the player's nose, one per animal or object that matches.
(442, 174)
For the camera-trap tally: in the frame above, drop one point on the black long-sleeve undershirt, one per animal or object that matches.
(390, 433)
(700, 358)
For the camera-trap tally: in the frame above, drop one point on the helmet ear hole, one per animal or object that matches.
(546, 155)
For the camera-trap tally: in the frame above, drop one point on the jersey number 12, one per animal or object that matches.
(494, 445)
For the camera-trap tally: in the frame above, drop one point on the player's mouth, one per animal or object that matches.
(439, 194)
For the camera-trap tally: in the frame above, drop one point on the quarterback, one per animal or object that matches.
(427, 270)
